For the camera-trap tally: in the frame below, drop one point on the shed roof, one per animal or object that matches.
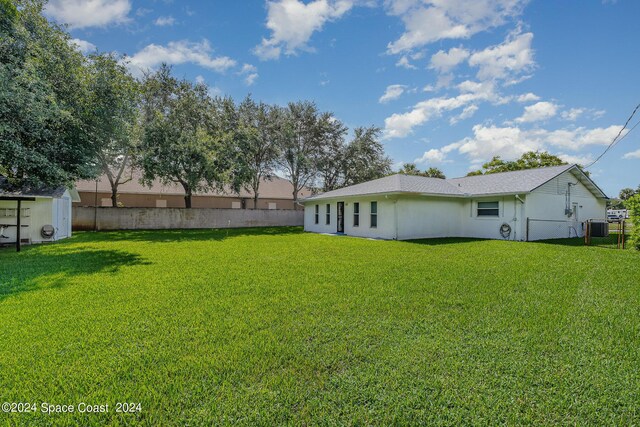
(515, 182)
(29, 191)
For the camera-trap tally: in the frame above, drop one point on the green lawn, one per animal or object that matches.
(276, 326)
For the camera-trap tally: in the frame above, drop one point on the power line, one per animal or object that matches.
(616, 140)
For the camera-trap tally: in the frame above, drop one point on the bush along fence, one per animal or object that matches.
(88, 218)
(633, 205)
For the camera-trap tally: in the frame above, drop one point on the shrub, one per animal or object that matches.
(633, 205)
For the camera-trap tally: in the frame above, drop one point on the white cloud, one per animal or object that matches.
(572, 114)
(293, 22)
(576, 160)
(511, 142)
(392, 92)
(528, 97)
(200, 79)
(427, 21)
(404, 62)
(248, 68)
(444, 62)
(214, 91)
(83, 45)
(502, 61)
(179, 52)
(250, 79)
(632, 155)
(542, 110)
(468, 112)
(431, 156)
(399, 125)
(250, 73)
(165, 21)
(89, 13)
(143, 11)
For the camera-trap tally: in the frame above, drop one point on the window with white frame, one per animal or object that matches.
(488, 209)
(328, 219)
(374, 215)
(317, 219)
(356, 214)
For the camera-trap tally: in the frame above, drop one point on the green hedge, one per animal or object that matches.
(633, 205)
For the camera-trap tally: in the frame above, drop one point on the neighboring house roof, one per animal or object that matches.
(275, 188)
(28, 191)
(516, 182)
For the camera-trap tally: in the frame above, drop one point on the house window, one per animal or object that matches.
(328, 214)
(356, 214)
(374, 214)
(488, 209)
(317, 214)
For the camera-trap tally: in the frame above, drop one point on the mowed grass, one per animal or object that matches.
(277, 326)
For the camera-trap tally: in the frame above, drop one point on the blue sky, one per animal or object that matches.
(450, 82)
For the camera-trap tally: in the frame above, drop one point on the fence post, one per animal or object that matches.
(587, 237)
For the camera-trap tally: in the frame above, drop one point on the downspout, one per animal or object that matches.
(515, 216)
(395, 216)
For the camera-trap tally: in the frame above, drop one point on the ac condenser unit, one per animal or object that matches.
(599, 229)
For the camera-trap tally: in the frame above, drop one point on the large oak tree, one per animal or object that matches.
(183, 142)
(114, 95)
(44, 109)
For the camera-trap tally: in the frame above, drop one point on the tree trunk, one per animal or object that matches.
(255, 201)
(187, 194)
(295, 199)
(114, 197)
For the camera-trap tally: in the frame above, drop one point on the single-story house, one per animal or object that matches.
(45, 213)
(534, 204)
(275, 193)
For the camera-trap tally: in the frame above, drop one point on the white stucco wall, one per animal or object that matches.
(429, 217)
(511, 211)
(386, 217)
(549, 202)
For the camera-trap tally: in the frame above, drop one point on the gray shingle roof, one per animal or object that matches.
(6, 190)
(508, 182)
(498, 183)
(394, 184)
